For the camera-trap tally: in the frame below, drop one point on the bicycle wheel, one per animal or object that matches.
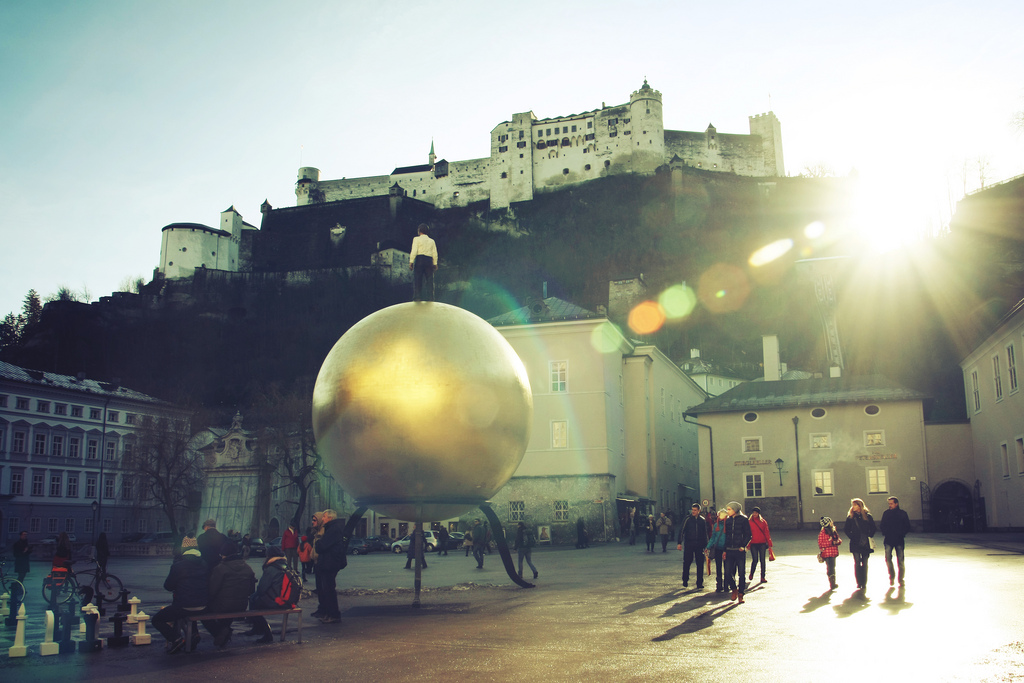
(59, 590)
(14, 588)
(110, 588)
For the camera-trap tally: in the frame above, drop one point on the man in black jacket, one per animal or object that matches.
(693, 539)
(188, 580)
(232, 581)
(895, 526)
(737, 538)
(209, 543)
(331, 550)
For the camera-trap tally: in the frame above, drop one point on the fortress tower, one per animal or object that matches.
(306, 185)
(647, 129)
(770, 130)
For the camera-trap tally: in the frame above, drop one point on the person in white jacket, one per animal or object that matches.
(423, 263)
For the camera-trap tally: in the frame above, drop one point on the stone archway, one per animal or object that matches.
(952, 507)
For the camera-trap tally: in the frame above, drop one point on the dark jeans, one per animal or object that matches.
(758, 553)
(899, 561)
(860, 567)
(166, 621)
(664, 543)
(526, 554)
(695, 554)
(717, 555)
(830, 570)
(423, 278)
(327, 593)
(650, 542)
(736, 561)
(478, 555)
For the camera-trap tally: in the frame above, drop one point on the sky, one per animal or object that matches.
(120, 117)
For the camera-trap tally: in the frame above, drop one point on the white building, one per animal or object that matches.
(995, 405)
(608, 430)
(62, 441)
(184, 247)
(709, 376)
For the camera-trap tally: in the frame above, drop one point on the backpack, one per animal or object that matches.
(291, 589)
(305, 551)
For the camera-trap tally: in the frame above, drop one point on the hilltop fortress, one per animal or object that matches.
(531, 155)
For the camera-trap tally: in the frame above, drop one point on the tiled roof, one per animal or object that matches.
(546, 310)
(68, 383)
(412, 169)
(807, 392)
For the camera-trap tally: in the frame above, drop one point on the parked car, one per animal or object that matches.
(132, 538)
(257, 548)
(429, 542)
(52, 540)
(363, 546)
(159, 537)
(455, 540)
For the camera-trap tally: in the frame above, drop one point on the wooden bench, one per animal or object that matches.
(202, 616)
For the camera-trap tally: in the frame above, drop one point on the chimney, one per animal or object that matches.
(772, 366)
(694, 353)
(834, 371)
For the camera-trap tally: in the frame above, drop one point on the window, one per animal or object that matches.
(878, 480)
(750, 417)
(18, 445)
(57, 446)
(3, 400)
(874, 438)
(40, 448)
(110, 449)
(997, 379)
(73, 444)
(94, 414)
(818, 413)
(51, 525)
(13, 525)
(612, 122)
(126, 488)
(516, 511)
(823, 482)
(42, 406)
(872, 410)
(56, 485)
(1005, 458)
(561, 511)
(503, 148)
(559, 437)
(90, 486)
(977, 395)
(108, 486)
(17, 483)
(108, 526)
(69, 525)
(21, 403)
(590, 124)
(519, 145)
(573, 129)
(72, 486)
(751, 444)
(34, 525)
(92, 449)
(88, 525)
(1011, 368)
(558, 370)
(115, 416)
(613, 134)
(143, 526)
(76, 411)
(754, 485)
(1019, 442)
(821, 440)
(130, 418)
(37, 483)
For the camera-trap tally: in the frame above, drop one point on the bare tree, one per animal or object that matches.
(818, 170)
(166, 466)
(984, 167)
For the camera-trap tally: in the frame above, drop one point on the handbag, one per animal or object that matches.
(871, 543)
(771, 555)
(820, 558)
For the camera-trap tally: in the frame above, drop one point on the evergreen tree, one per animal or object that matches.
(10, 331)
(32, 309)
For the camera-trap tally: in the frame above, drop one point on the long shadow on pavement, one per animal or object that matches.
(653, 602)
(696, 623)
(815, 603)
(894, 602)
(851, 605)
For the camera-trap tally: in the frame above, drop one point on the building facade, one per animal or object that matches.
(63, 441)
(995, 406)
(530, 155)
(608, 430)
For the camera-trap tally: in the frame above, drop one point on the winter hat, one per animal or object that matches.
(734, 505)
(826, 522)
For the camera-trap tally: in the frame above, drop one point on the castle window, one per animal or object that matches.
(455, 194)
(565, 142)
(574, 129)
(612, 134)
(504, 174)
(520, 156)
(170, 263)
(607, 163)
(590, 124)
(565, 171)
(503, 148)
(586, 149)
(414, 193)
(549, 132)
(625, 121)
(213, 253)
(540, 133)
(612, 122)
(520, 135)
(587, 167)
(520, 145)
(184, 248)
(648, 111)
(589, 136)
(541, 144)
(628, 132)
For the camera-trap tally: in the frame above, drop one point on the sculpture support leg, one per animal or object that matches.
(499, 537)
(350, 527)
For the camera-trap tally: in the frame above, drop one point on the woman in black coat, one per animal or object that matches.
(860, 527)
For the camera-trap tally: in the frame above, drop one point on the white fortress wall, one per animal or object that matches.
(466, 182)
(728, 153)
(354, 188)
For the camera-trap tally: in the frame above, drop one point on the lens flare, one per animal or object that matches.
(723, 288)
(678, 301)
(814, 230)
(646, 317)
(606, 337)
(770, 252)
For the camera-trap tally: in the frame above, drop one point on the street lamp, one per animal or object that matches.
(95, 507)
(778, 465)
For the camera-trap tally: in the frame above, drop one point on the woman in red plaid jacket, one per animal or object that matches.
(828, 543)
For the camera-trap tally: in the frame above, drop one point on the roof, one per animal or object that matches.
(543, 310)
(412, 169)
(807, 392)
(196, 226)
(15, 373)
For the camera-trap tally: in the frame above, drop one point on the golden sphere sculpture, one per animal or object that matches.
(422, 411)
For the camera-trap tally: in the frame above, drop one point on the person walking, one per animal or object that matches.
(860, 528)
(828, 549)
(582, 541)
(423, 263)
(467, 541)
(410, 551)
(189, 584)
(443, 538)
(330, 559)
(737, 538)
(693, 539)
(22, 556)
(664, 529)
(760, 542)
(632, 527)
(102, 551)
(480, 539)
(895, 526)
(290, 545)
(716, 549)
(232, 581)
(525, 541)
(246, 547)
(651, 533)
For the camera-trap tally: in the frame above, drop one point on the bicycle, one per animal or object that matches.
(102, 583)
(10, 585)
(60, 586)
(85, 584)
